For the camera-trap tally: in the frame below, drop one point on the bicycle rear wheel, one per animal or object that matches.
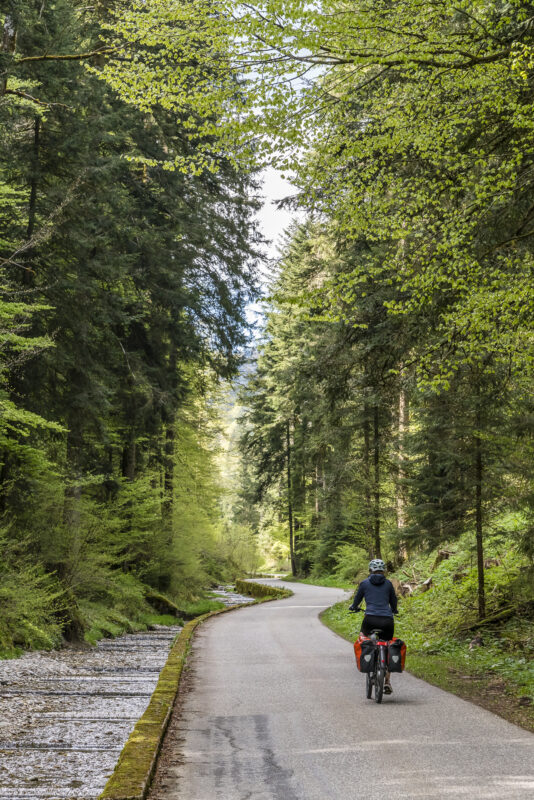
(379, 684)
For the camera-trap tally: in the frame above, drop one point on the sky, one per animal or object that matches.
(273, 222)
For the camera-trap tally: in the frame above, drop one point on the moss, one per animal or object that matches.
(161, 603)
(133, 772)
(261, 590)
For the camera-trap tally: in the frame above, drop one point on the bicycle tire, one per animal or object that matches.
(379, 684)
(369, 686)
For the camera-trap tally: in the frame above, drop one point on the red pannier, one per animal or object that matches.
(364, 650)
(396, 655)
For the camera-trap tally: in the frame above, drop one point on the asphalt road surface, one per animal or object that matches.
(275, 708)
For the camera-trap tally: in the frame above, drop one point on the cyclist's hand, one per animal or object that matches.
(355, 610)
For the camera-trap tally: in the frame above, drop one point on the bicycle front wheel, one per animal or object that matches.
(379, 684)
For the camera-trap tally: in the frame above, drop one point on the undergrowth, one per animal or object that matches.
(36, 613)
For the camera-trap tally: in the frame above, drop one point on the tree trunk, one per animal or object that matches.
(478, 515)
(317, 491)
(34, 177)
(4, 472)
(290, 501)
(9, 41)
(72, 498)
(400, 502)
(367, 479)
(29, 273)
(376, 484)
(168, 482)
(129, 458)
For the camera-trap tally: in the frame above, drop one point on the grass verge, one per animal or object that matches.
(330, 581)
(466, 673)
(133, 773)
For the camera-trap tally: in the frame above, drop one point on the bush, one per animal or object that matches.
(32, 603)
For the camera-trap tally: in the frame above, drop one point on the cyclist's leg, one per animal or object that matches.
(372, 623)
(367, 625)
(387, 682)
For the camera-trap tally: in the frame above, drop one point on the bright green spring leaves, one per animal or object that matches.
(411, 124)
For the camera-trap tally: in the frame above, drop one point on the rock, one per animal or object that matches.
(425, 586)
(525, 701)
(477, 641)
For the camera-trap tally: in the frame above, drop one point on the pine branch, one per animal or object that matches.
(33, 99)
(68, 56)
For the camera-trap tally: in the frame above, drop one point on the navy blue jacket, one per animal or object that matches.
(379, 595)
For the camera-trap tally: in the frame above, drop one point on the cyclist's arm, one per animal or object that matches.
(358, 597)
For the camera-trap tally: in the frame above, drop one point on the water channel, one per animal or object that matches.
(65, 715)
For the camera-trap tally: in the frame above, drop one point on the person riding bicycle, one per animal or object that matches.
(380, 605)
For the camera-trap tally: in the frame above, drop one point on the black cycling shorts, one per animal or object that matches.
(385, 624)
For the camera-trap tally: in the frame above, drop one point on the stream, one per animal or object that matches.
(65, 715)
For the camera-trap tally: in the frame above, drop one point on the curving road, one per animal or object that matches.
(276, 710)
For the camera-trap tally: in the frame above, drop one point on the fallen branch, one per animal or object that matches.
(425, 586)
(504, 614)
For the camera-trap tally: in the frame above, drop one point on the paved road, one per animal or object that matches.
(276, 710)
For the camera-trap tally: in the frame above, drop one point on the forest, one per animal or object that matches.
(124, 286)
(384, 408)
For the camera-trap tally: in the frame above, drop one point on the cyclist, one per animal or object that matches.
(380, 606)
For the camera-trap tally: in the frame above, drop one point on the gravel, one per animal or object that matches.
(66, 715)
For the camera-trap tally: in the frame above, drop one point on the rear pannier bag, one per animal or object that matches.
(396, 655)
(364, 650)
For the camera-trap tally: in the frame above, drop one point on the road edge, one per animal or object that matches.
(134, 770)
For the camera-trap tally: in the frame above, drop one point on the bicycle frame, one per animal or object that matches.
(375, 679)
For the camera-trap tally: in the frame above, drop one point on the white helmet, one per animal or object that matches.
(377, 565)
